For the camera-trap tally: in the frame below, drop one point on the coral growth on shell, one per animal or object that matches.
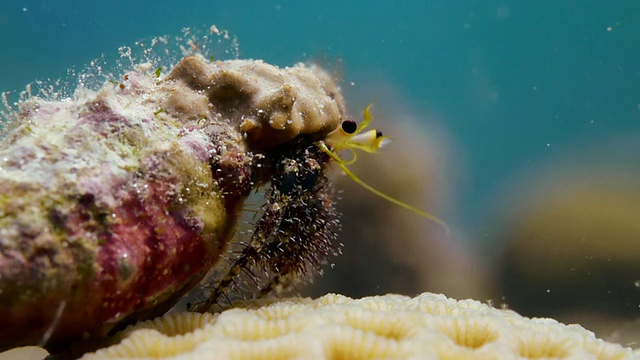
(428, 326)
(114, 203)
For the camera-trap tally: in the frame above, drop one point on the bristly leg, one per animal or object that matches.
(296, 232)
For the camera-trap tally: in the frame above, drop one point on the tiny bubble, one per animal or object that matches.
(548, 291)
(24, 9)
(637, 283)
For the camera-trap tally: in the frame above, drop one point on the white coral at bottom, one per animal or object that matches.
(428, 326)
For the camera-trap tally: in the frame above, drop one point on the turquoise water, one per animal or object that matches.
(515, 83)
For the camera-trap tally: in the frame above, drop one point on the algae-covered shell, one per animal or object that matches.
(115, 203)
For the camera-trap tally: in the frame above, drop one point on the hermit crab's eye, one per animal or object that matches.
(349, 126)
(348, 137)
(351, 136)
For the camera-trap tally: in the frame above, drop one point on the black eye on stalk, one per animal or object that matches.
(349, 126)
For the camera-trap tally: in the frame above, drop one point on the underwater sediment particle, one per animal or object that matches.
(428, 326)
(115, 203)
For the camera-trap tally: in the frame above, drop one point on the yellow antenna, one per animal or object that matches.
(349, 136)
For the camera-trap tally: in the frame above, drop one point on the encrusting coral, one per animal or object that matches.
(114, 203)
(428, 326)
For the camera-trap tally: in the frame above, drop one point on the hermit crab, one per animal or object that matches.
(115, 203)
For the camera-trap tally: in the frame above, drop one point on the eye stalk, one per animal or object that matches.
(351, 137)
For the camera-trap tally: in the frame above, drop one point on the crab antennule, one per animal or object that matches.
(346, 137)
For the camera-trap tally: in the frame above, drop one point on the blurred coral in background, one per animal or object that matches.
(561, 240)
(572, 245)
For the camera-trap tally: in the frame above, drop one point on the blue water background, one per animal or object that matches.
(516, 83)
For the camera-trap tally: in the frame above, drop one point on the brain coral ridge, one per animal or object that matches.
(428, 326)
